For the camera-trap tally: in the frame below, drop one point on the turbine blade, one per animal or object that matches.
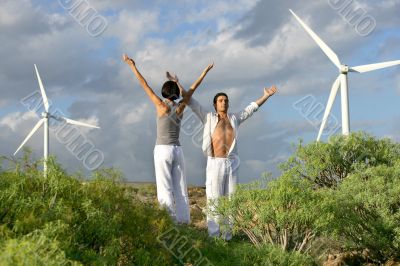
(35, 128)
(325, 48)
(78, 123)
(371, 67)
(45, 100)
(331, 99)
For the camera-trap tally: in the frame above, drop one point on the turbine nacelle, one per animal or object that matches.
(344, 69)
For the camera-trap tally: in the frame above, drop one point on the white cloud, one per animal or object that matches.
(13, 11)
(134, 115)
(130, 26)
(14, 120)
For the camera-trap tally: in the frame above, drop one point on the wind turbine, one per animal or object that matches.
(341, 80)
(46, 115)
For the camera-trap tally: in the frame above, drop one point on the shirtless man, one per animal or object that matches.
(219, 145)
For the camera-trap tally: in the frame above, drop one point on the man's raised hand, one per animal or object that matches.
(172, 78)
(271, 91)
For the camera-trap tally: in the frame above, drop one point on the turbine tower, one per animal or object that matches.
(46, 115)
(341, 81)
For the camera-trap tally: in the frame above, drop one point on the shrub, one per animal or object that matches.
(285, 213)
(346, 191)
(102, 221)
(33, 251)
(366, 212)
(327, 164)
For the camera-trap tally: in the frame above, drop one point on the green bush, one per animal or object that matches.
(365, 211)
(327, 164)
(285, 213)
(343, 192)
(102, 221)
(35, 248)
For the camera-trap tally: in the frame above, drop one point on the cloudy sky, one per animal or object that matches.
(253, 44)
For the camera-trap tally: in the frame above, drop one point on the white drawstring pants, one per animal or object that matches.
(221, 180)
(171, 181)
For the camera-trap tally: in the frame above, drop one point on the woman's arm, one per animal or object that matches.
(153, 97)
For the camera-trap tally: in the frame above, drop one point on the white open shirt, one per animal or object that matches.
(210, 121)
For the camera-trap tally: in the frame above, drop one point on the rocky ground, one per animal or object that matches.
(197, 201)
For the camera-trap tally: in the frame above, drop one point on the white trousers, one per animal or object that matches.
(171, 181)
(221, 180)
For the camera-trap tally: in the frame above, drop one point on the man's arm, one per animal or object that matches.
(249, 110)
(188, 95)
(198, 110)
(197, 83)
(153, 97)
(267, 93)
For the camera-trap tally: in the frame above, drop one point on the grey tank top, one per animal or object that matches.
(168, 127)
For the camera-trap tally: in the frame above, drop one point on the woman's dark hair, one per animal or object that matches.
(170, 90)
(219, 94)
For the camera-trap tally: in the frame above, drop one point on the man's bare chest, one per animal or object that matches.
(223, 127)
